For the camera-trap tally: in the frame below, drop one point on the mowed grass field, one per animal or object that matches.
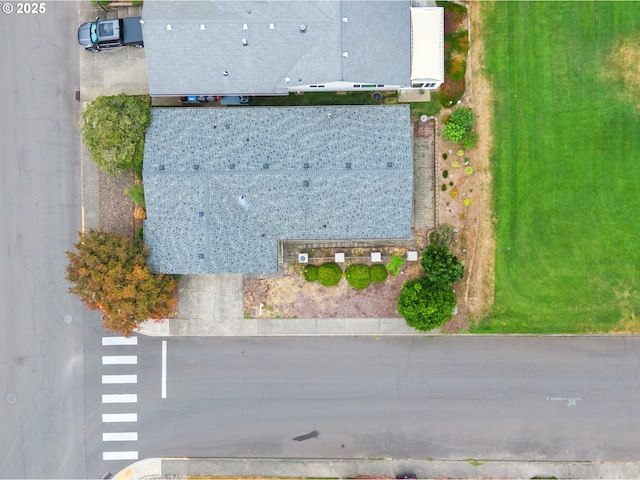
(566, 165)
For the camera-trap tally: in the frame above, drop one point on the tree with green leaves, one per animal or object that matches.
(109, 272)
(113, 130)
(441, 265)
(425, 304)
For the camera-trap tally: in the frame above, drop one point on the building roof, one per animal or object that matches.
(427, 44)
(190, 45)
(224, 185)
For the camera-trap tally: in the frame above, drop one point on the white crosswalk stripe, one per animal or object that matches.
(130, 455)
(119, 417)
(120, 398)
(119, 378)
(119, 340)
(120, 437)
(119, 359)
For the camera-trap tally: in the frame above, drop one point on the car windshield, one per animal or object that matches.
(94, 32)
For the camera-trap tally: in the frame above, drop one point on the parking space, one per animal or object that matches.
(111, 72)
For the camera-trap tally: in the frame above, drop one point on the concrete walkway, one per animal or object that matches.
(178, 468)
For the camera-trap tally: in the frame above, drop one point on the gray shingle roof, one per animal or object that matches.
(223, 185)
(206, 39)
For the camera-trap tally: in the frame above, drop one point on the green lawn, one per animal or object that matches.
(566, 165)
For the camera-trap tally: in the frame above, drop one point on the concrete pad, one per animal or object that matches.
(414, 95)
(216, 297)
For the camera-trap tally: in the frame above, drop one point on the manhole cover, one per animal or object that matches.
(68, 318)
(11, 398)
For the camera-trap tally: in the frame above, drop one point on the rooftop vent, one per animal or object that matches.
(244, 42)
(168, 27)
(389, 164)
(201, 256)
(243, 202)
(303, 28)
(245, 27)
(306, 165)
(303, 257)
(347, 165)
(160, 167)
(202, 27)
(225, 73)
(287, 79)
(345, 20)
(196, 167)
(271, 26)
(345, 54)
(305, 183)
(265, 166)
(201, 214)
(232, 166)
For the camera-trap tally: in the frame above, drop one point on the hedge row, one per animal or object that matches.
(358, 275)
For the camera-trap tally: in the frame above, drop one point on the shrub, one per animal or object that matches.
(441, 265)
(136, 193)
(113, 130)
(139, 213)
(358, 276)
(329, 274)
(452, 131)
(139, 235)
(311, 273)
(378, 273)
(444, 187)
(395, 264)
(462, 116)
(442, 235)
(425, 304)
(445, 155)
(469, 140)
(445, 173)
(468, 170)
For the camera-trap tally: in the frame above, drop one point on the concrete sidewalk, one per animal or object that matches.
(389, 468)
(212, 305)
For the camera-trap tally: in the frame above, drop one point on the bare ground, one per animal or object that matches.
(292, 296)
(475, 242)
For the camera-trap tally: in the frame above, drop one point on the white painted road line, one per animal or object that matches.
(119, 340)
(120, 437)
(120, 398)
(119, 455)
(120, 360)
(164, 369)
(119, 417)
(119, 378)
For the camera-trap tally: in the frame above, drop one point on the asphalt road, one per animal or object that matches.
(41, 359)
(520, 398)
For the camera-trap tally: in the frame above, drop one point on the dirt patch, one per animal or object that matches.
(624, 67)
(294, 297)
(466, 202)
(115, 207)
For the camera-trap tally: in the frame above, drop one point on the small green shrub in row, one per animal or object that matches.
(327, 274)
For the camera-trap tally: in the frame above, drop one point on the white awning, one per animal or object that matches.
(427, 44)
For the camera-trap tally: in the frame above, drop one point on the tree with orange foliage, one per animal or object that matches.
(109, 272)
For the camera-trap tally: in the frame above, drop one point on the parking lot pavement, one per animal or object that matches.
(111, 72)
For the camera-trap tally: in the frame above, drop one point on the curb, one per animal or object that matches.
(379, 468)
